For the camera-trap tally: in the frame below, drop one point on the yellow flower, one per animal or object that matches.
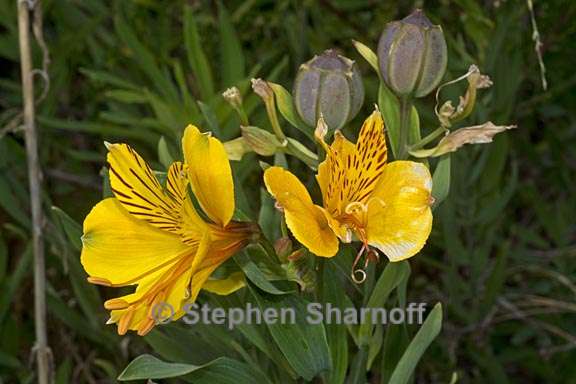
(152, 236)
(384, 205)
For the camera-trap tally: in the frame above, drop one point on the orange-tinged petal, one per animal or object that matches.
(209, 174)
(121, 249)
(306, 220)
(399, 218)
(158, 296)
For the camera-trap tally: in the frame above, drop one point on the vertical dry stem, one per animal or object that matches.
(41, 347)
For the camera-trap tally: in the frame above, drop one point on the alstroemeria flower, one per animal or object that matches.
(384, 205)
(153, 237)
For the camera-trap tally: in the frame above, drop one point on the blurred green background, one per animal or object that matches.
(501, 255)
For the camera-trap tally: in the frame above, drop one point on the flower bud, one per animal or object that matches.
(412, 55)
(233, 97)
(329, 85)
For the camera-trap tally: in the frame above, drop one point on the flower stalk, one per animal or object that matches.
(405, 109)
(288, 145)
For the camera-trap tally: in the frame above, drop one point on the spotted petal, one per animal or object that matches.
(350, 172)
(139, 191)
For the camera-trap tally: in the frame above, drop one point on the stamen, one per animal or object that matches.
(371, 255)
(278, 207)
(146, 326)
(125, 321)
(114, 304)
(362, 276)
(359, 270)
(99, 281)
(356, 206)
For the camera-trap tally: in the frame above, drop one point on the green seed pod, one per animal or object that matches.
(412, 55)
(329, 85)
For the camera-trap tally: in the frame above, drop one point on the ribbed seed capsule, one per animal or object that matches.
(329, 85)
(412, 55)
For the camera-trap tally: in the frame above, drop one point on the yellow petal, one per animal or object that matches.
(306, 220)
(350, 172)
(332, 170)
(145, 308)
(225, 286)
(399, 216)
(218, 246)
(119, 248)
(137, 188)
(209, 174)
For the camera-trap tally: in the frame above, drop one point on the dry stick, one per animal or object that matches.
(537, 44)
(41, 347)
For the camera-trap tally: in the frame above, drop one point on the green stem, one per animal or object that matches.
(309, 158)
(405, 112)
(433, 135)
(273, 117)
(242, 115)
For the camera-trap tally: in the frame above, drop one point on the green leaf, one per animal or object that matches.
(211, 118)
(164, 154)
(358, 367)
(185, 344)
(232, 57)
(333, 292)
(391, 277)
(149, 367)
(441, 180)
(196, 56)
(127, 96)
(71, 228)
(303, 344)
(375, 345)
(426, 334)
(86, 294)
(3, 258)
(107, 78)
(11, 284)
(9, 197)
(286, 107)
(222, 370)
(256, 276)
(395, 342)
(145, 60)
(390, 108)
(367, 53)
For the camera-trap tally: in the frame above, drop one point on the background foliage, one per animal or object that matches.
(501, 255)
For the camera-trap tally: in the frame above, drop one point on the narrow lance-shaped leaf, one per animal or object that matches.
(426, 334)
(303, 344)
(441, 180)
(222, 370)
(232, 57)
(196, 56)
(286, 107)
(392, 276)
